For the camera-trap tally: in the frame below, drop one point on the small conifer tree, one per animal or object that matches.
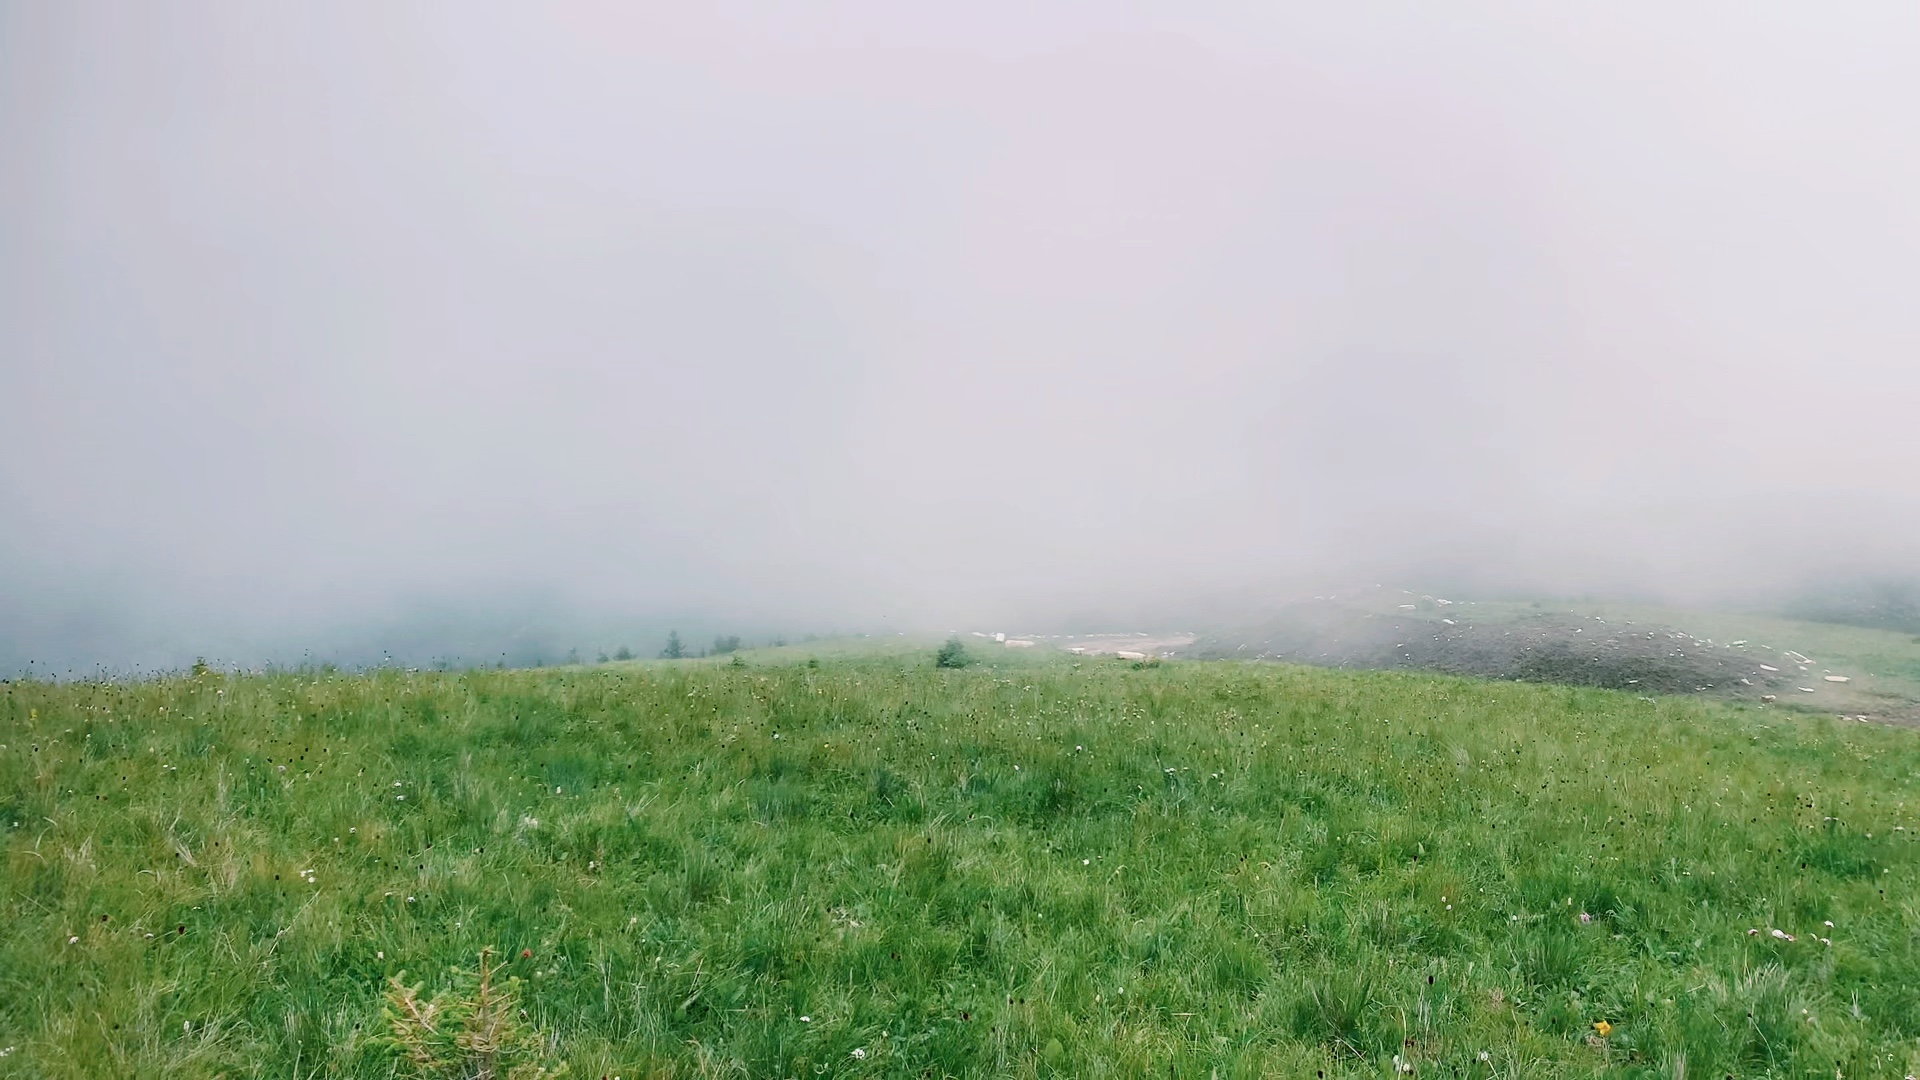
(952, 655)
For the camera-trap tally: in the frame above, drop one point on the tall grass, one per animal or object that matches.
(877, 867)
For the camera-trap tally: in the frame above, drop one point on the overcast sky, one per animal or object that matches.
(864, 314)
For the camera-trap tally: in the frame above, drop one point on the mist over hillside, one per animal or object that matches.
(493, 334)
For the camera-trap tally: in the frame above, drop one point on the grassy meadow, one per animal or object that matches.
(1038, 866)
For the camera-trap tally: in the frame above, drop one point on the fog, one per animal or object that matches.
(328, 326)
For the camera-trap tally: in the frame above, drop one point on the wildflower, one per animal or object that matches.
(526, 954)
(1585, 918)
(806, 1019)
(859, 1053)
(73, 941)
(1781, 935)
(1605, 1029)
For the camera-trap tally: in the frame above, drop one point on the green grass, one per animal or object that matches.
(1033, 867)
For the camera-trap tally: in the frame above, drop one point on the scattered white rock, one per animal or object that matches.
(1836, 678)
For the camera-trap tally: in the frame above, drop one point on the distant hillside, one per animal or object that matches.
(1834, 665)
(1878, 605)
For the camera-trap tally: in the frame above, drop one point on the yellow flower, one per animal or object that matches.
(1605, 1029)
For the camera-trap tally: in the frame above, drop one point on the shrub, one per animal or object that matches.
(471, 1031)
(952, 655)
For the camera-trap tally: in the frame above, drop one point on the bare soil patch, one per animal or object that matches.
(1554, 647)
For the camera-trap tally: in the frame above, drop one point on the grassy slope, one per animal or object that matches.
(1038, 868)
